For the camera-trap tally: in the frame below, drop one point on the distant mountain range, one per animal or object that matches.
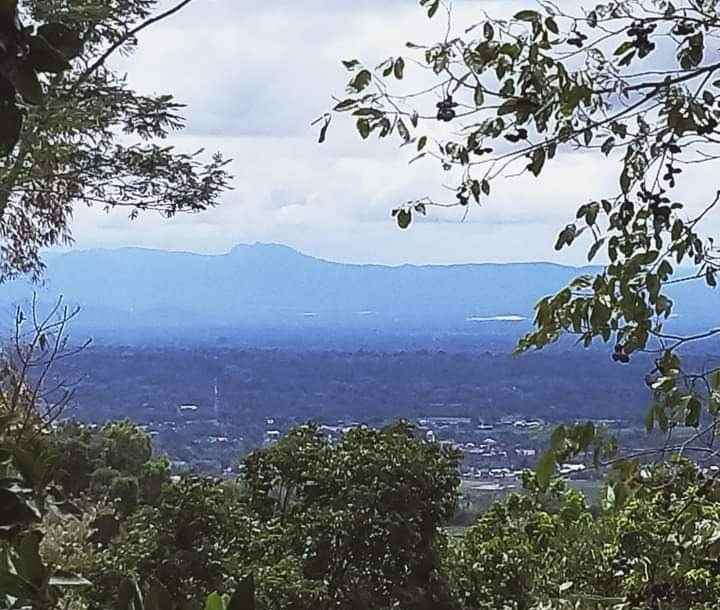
(275, 287)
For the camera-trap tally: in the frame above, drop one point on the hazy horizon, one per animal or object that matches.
(49, 254)
(332, 201)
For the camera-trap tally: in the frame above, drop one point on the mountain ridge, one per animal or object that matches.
(272, 286)
(273, 245)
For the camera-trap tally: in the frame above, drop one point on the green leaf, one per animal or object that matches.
(507, 107)
(363, 127)
(403, 130)
(608, 145)
(404, 218)
(399, 68)
(345, 105)
(566, 237)
(538, 161)
(625, 181)
(710, 277)
(528, 16)
(323, 132)
(595, 248)
(625, 47)
(214, 602)
(479, 96)
(361, 81)
(545, 469)
(692, 413)
(650, 419)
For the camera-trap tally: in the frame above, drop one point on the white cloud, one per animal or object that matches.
(255, 73)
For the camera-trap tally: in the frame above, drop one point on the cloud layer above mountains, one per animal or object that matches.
(254, 74)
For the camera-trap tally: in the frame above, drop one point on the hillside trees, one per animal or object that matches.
(312, 524)
(364, 513)
(634, 84)
(102, 463)
(548, 550)
(74, 133)
(30, 400)
(71, 132)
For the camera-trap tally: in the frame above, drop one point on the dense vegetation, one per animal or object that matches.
(89, 519)
(357, 524)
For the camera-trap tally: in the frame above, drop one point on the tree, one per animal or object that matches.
(126, 492)
(127, 448)
(634, 84)
(184, 543)
(74, 133)
(547, 549)
(155, 473)
(364, 513)
(29, 403)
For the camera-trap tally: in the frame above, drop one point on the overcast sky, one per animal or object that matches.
(255, 73)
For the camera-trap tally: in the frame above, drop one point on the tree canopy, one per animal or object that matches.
(74, 133)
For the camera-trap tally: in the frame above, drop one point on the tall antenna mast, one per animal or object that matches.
(216, 400)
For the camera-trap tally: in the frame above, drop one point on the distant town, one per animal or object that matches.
(207, 407)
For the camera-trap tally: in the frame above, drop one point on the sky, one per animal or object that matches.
(255, 74)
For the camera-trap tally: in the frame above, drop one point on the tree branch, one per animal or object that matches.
(104, 57)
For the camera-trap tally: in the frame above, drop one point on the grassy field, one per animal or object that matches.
(478, 496)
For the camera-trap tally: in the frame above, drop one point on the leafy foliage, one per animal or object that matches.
(363, 513)
(550, 550)
(83, 136)
(27, 493)
(542, 549)
(115, 462)
(310, 525)
(186, 555)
